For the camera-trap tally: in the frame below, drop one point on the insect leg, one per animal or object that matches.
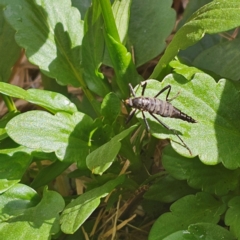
(132, 90)
(130, 116)
(169, 87)
(143, 85)
(162, 90)
(174, 131)
(146, 122)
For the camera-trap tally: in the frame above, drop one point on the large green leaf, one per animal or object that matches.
(217, 16)
(201, 208)
(216, 135)
(53, 102)
(51, 32)
(8, 48)
(192, 6)
(222, 59)
(76, 213)
(39, 222)
(199, 231)
(16, 200)
(150, 25)
(188, 55)
(214, 179)
(65, 134)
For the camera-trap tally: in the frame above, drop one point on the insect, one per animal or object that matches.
(153, 105)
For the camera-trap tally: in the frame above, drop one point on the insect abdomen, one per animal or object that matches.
(160, 107)
(153, 105)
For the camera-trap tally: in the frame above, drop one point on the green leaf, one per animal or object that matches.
(121, 9)
(232, 217)
(188, 55)
(82, 6)
(217, 16)
(3, 122)
(16, 200)
(111, 107)
(38, 222)
(217, 179)
(66, 135)
(184, 70)
(201, 208)
(76, 213)
(150, 25)
(92, 51)
(209, 231)
(51, 32)
(198, 231)
(168, 189)
(192, 6)
(121, 59)
(124, 68)
(49, 173)
(53, 102)
(102, 158)
(8, 48)
(13, 166)
(214, 107)
(222, 59)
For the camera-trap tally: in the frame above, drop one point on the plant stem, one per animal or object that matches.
(9, 103)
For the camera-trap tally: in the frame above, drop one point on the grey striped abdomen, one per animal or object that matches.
(159, 107)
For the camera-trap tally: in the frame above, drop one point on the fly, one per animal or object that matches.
(153, 105)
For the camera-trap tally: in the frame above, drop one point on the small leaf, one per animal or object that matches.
(54, 102)
(110, 107)
(76, 213)
(3, 122)
(13, 166)
(102, 158)
(39, 222)
(201, 208)
(217, 179)
(16, 200)
(232, 217)
(65, 134)
(92, 51)
(168, 189)
(182, 69)
(123, 65)
(49, 173)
